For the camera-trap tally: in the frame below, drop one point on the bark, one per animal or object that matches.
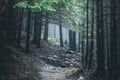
(92, 38)
(46, 28)
(25, 19)
(119, 43)
(60, 31)
(87, 33)
(20, 15)
(70, 39)
(100, 40)
(79, 42)
(3, 14)
(82, 49)
(7, 22)
(113, 69)
(28, 33)
(36, 25)
(39, 32)
(74, 41)
(107, 45)
(32, 23)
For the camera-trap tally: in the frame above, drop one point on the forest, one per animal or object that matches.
(59, 39)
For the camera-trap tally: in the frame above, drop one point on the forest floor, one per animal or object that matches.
(47, 63)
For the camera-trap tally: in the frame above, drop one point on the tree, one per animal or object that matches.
(20, 17)
(39, 32)
(100, 40)
(28, 33)
(114, 57)
(74, 41)
(60, 30)
(36, 6)
(92, 37)
(7, 19)
(36, 25)
(79, 39)
(83, 47)
(70, 39)
(87, 35)
(46, 27)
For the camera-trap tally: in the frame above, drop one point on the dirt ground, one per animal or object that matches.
(17, 65)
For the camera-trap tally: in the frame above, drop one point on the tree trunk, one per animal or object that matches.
(79, 39)
(36, 25)
(74, 41)
(60, 30)
(10, 27)
(7, 22)
(39, 32)
(20, 15)
(32, 24)
(107, 44)
(82, 49)
(70, 39)
(119, 43)
(25, 19)
(87, 35)
(46, 28)
(92, 38)
(79, 42)
(100, 40)
(28, 32)
(113, 69)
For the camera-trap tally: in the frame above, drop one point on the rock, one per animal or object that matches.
(81, 78)
(63, 58)
(57, 73)
(55, 56)
(71, 72)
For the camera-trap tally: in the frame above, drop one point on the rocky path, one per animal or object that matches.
(60, 65)
(49, 72)
(54, 65)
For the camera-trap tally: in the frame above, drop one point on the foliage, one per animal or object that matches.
(63, 4)
(53, 40)
(37, 5)
(76, 17)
